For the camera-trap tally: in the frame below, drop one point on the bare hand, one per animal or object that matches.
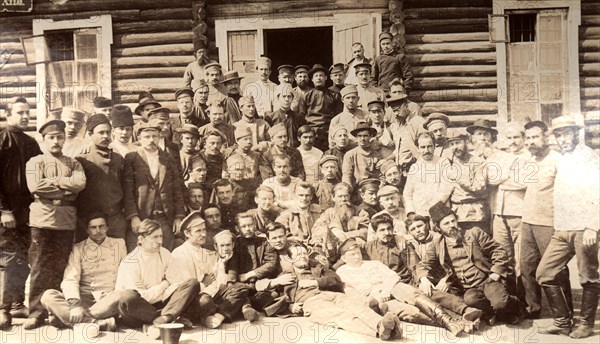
(76, 315)
(296, 308)
(176, 226)
(443, 287)
(426, 286)
(495, 277)
(8, 220)
(306, 283)
(400, 243)
(135, 223)
(590, 237)
(208, 279)
(285, 279)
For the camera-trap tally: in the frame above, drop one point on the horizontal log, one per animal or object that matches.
(590, 20)
(460, 107)
(462, 121)
(592, 116)
(440, 48)
(460, 70)
(589, 57)
(452, 59)
(590, 104)
(587, 92)
(592, 45)
(443, 83)
(447, 12)
(16, 57)
(172, 106)
(287, 9)
(164, 85)
(7, 92)
(590, 8)
(11, 69)
(166, 13)
(447, 37)
(423, 26)
(7, 80)
(151, 61)
(468, 94)
(156, 50)
(133, 97)
(13, 35)
(141, 73)
(157, 26)
(589, 69)
(589, 81)
(146, 39)
(48, 7)
(588, 32)
(409, 4)
(11, 47)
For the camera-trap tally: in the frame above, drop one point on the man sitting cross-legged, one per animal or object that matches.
(315, 292)
(89, 280)
(219, 296)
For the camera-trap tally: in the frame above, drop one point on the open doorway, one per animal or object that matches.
(308, 46)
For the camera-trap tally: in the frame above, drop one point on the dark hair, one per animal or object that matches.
(414, 218)
(147, 227)
(304, 129)
(96, 215)
(213, 133)
(210, 206)
(222, 182)
(294, 244)
(382, 218)
(194, 185)
(14, 101)
(245, 215)
(304, 185)
(424, 134)
(282, 157)
(273, 226)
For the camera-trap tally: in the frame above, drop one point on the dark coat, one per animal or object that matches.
(266, 256)
(139, 191)
(486, 254)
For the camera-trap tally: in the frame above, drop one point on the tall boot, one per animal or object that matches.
(433, 310)
(565, 282)
(589, 305)
(5, 301)
(560, 311)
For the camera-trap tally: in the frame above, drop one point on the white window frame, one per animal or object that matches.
(105, 23)
(500, 7)
(223, 26)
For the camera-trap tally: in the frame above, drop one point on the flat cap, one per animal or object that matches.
(194, 218)
(348, 89)
(387, 190)
(71, 112)
(285, 68)
(246, 100)
(159, 112)
(458, 134)
(380, 104)
(385, 35)
(362, 65)
(213, 65)
(301, 69)
(369, 184)
(276, 129)
(188, 128)
(55, 125)
(436, 117)
(348, 245)
(386, 164)
(337, 68)
(242, 132)
(184, 91)
(147, 126)
(329, 157)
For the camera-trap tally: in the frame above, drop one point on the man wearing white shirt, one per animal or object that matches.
(89, 280)
(576, 224)
(220, 297)
(263, 89)
(351, 116)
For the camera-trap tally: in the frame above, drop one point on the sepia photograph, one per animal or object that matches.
(299, 171)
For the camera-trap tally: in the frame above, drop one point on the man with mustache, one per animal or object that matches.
(404, 126)
(286, 77)
(538, 214)
(363, 161)
(336, 73)
(55, 180)
(16, 148)
(152, 188)
(391, 201)
(390, 64)
(302, 87)
(351, 116)
(74, 120)
(470, 204)
(424, 176)
(358, 56)
(437, 123)
(195, 69)
(576, 223)
(216, 113)
(474, 263)
(322, 105)
(263, 89)
(302, 214)
(291, 119)
(189, 137)
(366, 92)
(121, 120)
(258, 126)
(186, 115)
(231, 82)
(104, 171)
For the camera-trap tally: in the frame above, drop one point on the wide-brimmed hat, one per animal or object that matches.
(362, 126)
(231, 75)
(144, 99)
(482, 124)
(316, 68)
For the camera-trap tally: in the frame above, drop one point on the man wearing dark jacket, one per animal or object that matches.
(475, 264)
(16, 148)
(390, 64)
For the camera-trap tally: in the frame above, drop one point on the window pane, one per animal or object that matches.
(522, 27)
(242, 50)
(87, 73)
(85, 99)
(86, 46)
(60, 44)
(551, 87)
(550, 28)
(60, 74)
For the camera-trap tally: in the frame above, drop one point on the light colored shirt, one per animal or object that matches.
(370, 276)
(359, 164)
(284, 194)
(310, 160)
(144, 273)
(259, 128)
(192, 262)
(577, 191)
(347, 120)
(153, 162)
(123, 148)
(367, 94)
(540, 174)
(264, 95)
(422, 184)
(92, 268)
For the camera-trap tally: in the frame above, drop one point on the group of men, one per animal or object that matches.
(342, 204)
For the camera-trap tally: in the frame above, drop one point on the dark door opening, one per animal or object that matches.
(306, 46)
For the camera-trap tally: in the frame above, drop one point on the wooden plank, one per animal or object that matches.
(447, 12)
(134, 73)
(589, 57)
(588, 92)
(129, 97)
(410, 4)
(440, 48)
(590, 104)
(285, 9)
(589, 81)
(447, 37)
(460, 107)
(157, 26)
(452, 59)
(415, 26)
(153, 85)
(589, 69)
(462, 121)
(443, 83)
(152, 38)
(17, 80)
(590, 8)
(47, 7)
(464, 70)
(150, 61)
(589, 32)
(590, 20)
(592, 45)
(156, 50)
(166, 13)
(467, 94)
(16, 69)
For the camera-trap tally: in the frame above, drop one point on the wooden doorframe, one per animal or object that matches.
(500, 7)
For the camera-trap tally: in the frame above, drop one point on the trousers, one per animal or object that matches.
(14, 267)
(108, 306)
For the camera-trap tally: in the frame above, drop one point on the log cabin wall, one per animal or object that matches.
(454, 63)
(589, 69)
(152, 44)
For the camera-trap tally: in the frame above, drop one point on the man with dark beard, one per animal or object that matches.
(302, 87)
(195, 69)
(231, 81)
(470, 205)
(576, 224)
(291, 119)
(476, 264)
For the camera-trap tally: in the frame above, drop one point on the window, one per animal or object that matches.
(80, 63)
(522, 27)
